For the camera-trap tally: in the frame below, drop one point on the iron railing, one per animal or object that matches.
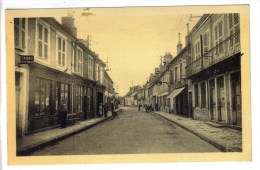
(221, 51)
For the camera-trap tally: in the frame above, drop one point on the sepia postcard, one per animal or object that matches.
(128, 85)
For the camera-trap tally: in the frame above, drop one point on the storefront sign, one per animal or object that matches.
(26, 59)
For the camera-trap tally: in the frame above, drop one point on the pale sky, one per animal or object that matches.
(133, 38)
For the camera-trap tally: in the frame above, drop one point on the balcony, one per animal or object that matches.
(227, 48)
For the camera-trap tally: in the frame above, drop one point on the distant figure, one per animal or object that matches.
(139, 107)
(62, 110)
(100, 110)
(113, 110)
(156, 106)
(105, 109)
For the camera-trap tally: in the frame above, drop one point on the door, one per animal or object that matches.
(190, 104)
(236, 98)
(17, 97)
(212, 99)
(221, 99)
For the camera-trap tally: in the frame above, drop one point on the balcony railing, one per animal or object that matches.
(221, 51)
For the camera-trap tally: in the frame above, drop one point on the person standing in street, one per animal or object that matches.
(139, 107)
(112, 110)
(100, 110)
(62, 110)
(105, 109)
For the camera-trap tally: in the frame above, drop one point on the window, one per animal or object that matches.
(230, 19)
(61, 51)
(176, 75)
(43, 41)
(79, 61)
(19, 33)
(42, 96)
(205, 42)
(236, 18)
(181, 71)
(197, 52)
(79, 93)
(233, 30)
(90, 67)
(218, 35)
(62, 93)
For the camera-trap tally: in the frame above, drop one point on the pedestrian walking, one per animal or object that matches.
(62, 111)
(139, 107)
(105, 109)
(113, 110)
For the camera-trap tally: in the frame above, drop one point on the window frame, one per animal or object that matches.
(39, 90)
(45, 26)
(62, 51)
(90, 67)
(79, 61)
(217, 38)
(20, 31)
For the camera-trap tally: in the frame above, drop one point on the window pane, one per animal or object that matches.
(40, 31)
(59, 58)
(64, 44)
(23, 39)
(45, 35)
(42, 97)
(220, 29)
(40, 48)
(57, 96)
(63, 59)
(237, 37)
(37, 102)
(45, 51)
(16, 21)
(59, 44)
(16, 34)
(48, 95)
(23, 23)
(230, 21)
(236, 18)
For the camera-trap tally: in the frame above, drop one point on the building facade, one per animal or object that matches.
(63, 70)
(214, 69)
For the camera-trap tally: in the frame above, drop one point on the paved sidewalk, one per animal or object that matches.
(223, 137)
(29, 143)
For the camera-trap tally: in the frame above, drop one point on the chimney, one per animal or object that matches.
(188, 28)
(167, 58)
(187, 39)
(179, 45)
(68, 25)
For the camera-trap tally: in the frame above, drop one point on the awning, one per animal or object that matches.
(175, 93)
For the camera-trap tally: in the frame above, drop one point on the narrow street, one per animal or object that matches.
(131, 133)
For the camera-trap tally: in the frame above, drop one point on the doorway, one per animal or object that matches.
(221, 99)
(236, 98)
(212, 99)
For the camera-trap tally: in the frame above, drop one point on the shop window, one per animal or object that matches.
(62, 93)
(42, 97)
(78, 98)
